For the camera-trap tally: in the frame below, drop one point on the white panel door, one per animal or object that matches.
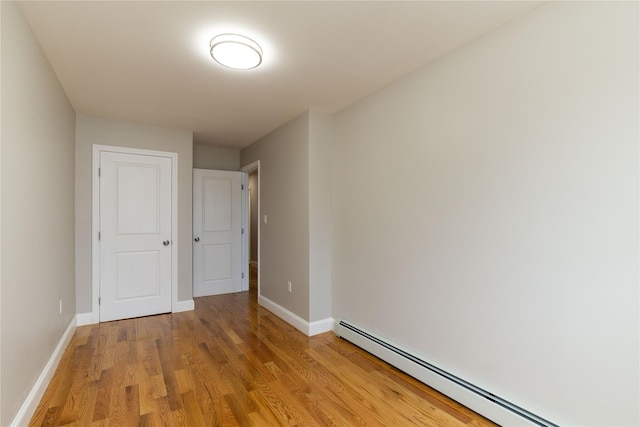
(217, 232)
(135, 235)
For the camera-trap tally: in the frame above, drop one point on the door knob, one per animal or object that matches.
(197, 239)
(166, 243)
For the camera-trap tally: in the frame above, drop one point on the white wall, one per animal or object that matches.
(486, 213)
(217, 158)
(284, 198)
(0, 218)
(320, 235)
(295, 194)
(38, 125)
(93, 130)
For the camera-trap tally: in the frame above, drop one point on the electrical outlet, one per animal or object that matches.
(289, 286)
(60, 306)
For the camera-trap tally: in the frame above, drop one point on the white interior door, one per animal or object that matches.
(217, 232)
(135, 235)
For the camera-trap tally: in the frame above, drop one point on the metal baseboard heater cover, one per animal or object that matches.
(376, 346)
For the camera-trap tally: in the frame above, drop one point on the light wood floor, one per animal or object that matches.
(231, 362)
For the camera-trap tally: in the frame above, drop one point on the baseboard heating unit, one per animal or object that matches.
(475, 398)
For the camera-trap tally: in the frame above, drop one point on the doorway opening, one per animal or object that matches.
(253, 213)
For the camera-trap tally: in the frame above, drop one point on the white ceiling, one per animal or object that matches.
(148, 62)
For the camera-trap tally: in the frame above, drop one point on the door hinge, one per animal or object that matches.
(242, 186)
(98, 235)
(99, 300)
(242, 231)
(243, 275)
(98, 172)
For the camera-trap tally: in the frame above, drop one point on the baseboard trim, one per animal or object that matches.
(321, 326)
(187, 305)
(291, 318)
(83, 319)
(30, 404)
(309, 329)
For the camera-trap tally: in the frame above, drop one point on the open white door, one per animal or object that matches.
(217, 232)
(135, 235)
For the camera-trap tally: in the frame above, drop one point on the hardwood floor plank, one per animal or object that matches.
(164, 411)
(147, 392)
(205, 402)
(192, 410)
(276, 401)
(184, 381)
(147, 349)
(179, 418)
(85, 413)
(256, 419)
(168, 373)
(50, 417)
(239, 409)
(117, 406)
(231, 362)
(262, 408)
(211, 370)
(103, 397)
(132, 405)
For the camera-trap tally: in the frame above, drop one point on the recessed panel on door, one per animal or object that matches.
(218, 262)
(138, 192)
(137, 275)
(217, 209)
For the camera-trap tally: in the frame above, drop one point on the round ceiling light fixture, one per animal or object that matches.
(236, 51)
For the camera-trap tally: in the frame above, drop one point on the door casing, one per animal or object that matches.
(250, 168)
(95, 221)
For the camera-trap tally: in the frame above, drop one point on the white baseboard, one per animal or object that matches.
(30, 404)
(83, 319)
(309, 329)
(321, 326)
(187, 305)
(291, 318)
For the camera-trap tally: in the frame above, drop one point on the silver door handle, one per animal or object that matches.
(197, 239)
(166, 243)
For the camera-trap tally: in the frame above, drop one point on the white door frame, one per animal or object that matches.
(95, 222)
(244, 240)
(248, 169)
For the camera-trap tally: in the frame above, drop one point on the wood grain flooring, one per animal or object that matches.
(232, 363)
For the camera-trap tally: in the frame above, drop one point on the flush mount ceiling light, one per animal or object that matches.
(236, 51)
